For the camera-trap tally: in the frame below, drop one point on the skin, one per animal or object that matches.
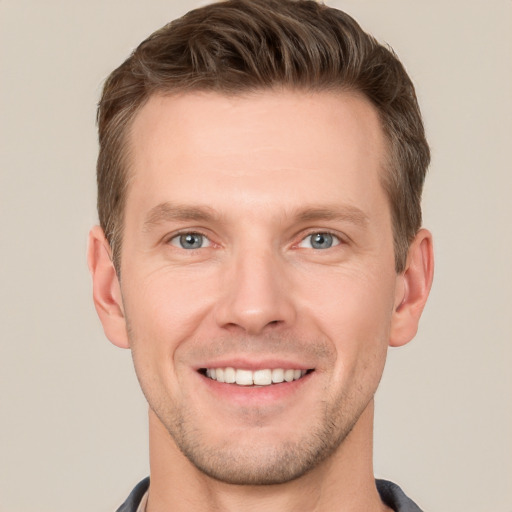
(256, 176)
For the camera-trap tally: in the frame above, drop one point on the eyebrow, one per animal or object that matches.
(346, 213)
(168, 212)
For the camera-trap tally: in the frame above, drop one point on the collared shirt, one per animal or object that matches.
(389, 492)
(143, 502)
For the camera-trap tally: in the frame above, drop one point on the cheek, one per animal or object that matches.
(354, 312)
(352, 301)
(167, 307)
(162, 312)
(358, 326)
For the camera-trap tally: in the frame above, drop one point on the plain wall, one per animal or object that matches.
(73, 433)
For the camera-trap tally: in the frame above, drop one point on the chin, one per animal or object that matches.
(260, 459)
(268, 466)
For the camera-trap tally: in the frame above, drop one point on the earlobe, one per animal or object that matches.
(106, 289)
(413, 288)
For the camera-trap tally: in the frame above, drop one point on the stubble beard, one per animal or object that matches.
(249, 461)
(239, 463)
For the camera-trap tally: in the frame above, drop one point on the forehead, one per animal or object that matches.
(277, 146)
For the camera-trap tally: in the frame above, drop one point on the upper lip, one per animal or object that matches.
(254, 364)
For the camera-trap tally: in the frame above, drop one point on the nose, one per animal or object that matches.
(256, 294)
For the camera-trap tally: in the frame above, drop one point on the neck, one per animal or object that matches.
(344, 481)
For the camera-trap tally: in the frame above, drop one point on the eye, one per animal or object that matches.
(190, 241)
(319, 241)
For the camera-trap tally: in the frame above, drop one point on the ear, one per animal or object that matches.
(413, 287)
(106, 289)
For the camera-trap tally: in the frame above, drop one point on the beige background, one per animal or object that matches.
(73, 421)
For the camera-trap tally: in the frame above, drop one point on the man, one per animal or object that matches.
(259, 183)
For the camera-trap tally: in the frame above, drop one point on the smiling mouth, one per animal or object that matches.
(264, 377)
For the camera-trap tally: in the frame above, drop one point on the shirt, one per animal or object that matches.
(390, 493)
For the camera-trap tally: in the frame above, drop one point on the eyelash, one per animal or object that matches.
(335, 239)
(178, 236)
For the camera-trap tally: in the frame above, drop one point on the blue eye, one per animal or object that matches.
(190, 241)
(319, 241)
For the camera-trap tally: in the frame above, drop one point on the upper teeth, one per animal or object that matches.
(259, 377)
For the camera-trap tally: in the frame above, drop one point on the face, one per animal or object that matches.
(257, 275)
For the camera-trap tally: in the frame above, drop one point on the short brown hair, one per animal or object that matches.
(238, 46)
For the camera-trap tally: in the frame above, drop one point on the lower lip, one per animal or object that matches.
(255, 395)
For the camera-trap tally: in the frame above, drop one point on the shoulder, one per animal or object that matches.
(132, 502)
(394, 497)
